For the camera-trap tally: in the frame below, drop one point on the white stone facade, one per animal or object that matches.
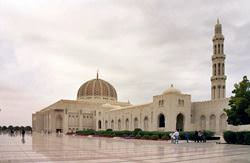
(97, 107)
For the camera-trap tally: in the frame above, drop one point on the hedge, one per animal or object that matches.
(139, 134)
(241, 137)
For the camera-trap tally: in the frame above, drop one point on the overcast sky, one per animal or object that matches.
(49, 48)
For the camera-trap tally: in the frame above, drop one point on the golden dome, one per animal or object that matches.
(97, 89)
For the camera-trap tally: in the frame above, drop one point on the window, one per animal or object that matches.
(180, 102)
(161, 103)
(161, 121)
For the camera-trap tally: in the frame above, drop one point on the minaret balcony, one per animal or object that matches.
(219, 77)
(218, 56)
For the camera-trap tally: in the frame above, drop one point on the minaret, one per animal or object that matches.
(218, 79)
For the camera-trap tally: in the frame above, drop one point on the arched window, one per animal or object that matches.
(212, 122)
(214, 69)
(127, 124)
(119, 125)
(106, 124)
(145, 124)
(180, 122)
(215, 49)
(219, 49)
(99, 124)
(161, 120)
(223, 122)
(223, 69)
(112, 124)
(219, 91)
(203, 122)
(219, 69)
(135, 123)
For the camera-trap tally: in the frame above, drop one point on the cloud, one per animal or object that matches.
(49, 48)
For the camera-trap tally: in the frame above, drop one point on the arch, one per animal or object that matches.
(145, 123)
(203, 122)
(99, 124)
(214, 69)
(219, 69)
(136, 123)
(112, 124)
(223, 122)
(119, 124)
(59, 123)
(127, 124)
(106, 124)
(180, 122)
(212, 122)
(161, 120)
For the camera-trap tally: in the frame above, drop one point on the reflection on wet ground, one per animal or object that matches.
(52, 148)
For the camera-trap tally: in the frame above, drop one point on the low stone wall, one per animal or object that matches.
(238, 128)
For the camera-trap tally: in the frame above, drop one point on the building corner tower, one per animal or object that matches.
(218, 79)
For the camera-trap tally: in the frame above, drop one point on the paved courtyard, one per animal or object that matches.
(51, 148)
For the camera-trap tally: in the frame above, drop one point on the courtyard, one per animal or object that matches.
(52, 148)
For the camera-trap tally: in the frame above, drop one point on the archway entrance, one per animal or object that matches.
(59, 124)
(180, 122)
(99, 124)
(161, 121)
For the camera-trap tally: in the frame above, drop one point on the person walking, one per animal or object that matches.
(196, 136)
(187, 136)
(176, 135)
(23, 133)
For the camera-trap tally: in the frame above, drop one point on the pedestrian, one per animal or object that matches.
(187, 137)
(200, 135)
(176, 135)
(196, 136)
(204, 136)
(171, 135)
(23, 133)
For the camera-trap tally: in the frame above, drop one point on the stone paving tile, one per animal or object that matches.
(67, 149)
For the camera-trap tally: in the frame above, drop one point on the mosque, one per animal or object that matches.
(97, 106)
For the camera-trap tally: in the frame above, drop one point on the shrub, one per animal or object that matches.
(138, 136)
(229, 137)
(240, 138)
(247, 138)
(154, 137)
(165, 137)
(109, 130)
(146, 137)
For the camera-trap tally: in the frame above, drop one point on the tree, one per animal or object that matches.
(239, 114)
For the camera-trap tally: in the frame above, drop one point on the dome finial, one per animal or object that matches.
(97, 74)
(218, 22)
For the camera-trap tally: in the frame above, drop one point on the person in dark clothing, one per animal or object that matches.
(196, 136)
(204, 135)
(23, 133)
(187, 137)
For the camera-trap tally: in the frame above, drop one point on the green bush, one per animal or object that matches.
(154, 137)
(138, 136)
(109, 130)
(242, 137)
(146, 137)
(165, 137)
(247, 138)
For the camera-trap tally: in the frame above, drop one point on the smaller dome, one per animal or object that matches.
(172, 90)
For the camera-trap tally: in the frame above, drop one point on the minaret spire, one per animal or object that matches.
(97, 74)
(218, 79)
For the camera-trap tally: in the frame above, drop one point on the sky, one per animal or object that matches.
(48, 49)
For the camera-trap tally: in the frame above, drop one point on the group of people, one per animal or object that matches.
(174, 136)
(199, 136)
(15, 133)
